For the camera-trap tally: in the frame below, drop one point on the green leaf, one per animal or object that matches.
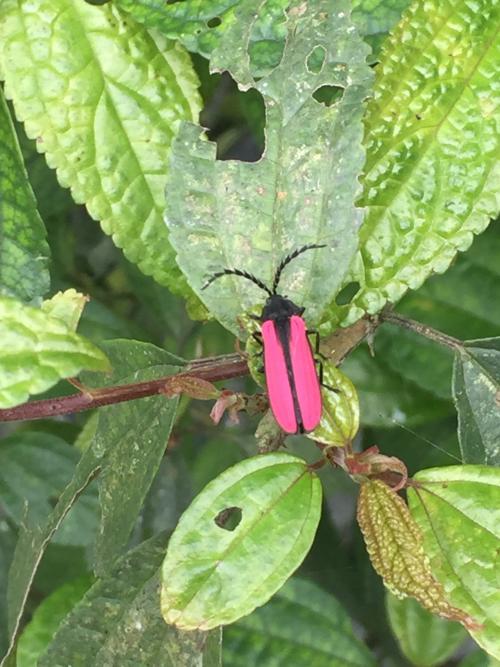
(476, 390)
(34, 468)
(456, 508)
(225, 577)
(340, 418)
(67, 306)
(458, 303)
(132, 439)
(7, 545)
(37, 351)
(396, 549)
(104, 113)
(118, 622)
(426, 640)
(32, 543)
(375, 18)
(301, 624)
(253, 42)
(478, 659)
(302, 191)
(209, 29)
(24, 251)
(38, 634)
(432, 146)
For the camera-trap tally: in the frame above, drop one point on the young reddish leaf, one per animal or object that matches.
(395, 546)
(192, 387)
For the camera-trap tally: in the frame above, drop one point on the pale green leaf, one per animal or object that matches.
(432, 146)
(301, 625)
(458, 511)
(118, 622)
(240, 51)
(104, 98)
(32, 543)
(67, 306)
(23, 248)
(425, 639)
(37, 351)
(37, 635)
(476, 390)
(34, 468)
(132, 437)
(225, 576)
(340, 418)
(249, 215)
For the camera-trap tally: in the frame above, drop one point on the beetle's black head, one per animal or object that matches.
(279, 308)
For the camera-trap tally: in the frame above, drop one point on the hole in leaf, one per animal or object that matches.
(229, 518)
(347, 294)
(328, 95)
(96, 2)
(214, 22)
(316, 59)
(174, 2)
(235, 119)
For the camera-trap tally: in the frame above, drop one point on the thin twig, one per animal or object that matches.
(212, 369)
(422, 329)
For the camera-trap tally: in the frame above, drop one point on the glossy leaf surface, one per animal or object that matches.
(457, 509)
(225, 577)
(476, 390)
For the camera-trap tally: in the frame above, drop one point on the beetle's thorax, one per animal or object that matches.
(279, 308)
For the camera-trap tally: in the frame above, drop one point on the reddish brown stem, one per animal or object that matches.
(212, 369)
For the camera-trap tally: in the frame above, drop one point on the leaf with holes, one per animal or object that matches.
(340, 418)
(37, 351)
(476, 390)
(118, 622)
(426, 640)
(457, 509)
(396, 550)
(432, 147)
(301, 191)
(104, 98)
(303, 625)
(374, 19)
(207, 27)
(23, 249)
(226, 577)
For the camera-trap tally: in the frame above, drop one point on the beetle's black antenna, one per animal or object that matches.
(242, 274)
(288, 259)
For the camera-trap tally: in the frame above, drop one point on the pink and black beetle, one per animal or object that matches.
(293, 384)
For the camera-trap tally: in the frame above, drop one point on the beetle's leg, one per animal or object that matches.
(257, 336)
(257, 318)
(315, 333)
(320, 376)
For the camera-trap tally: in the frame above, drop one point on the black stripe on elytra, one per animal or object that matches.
(283, 329)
